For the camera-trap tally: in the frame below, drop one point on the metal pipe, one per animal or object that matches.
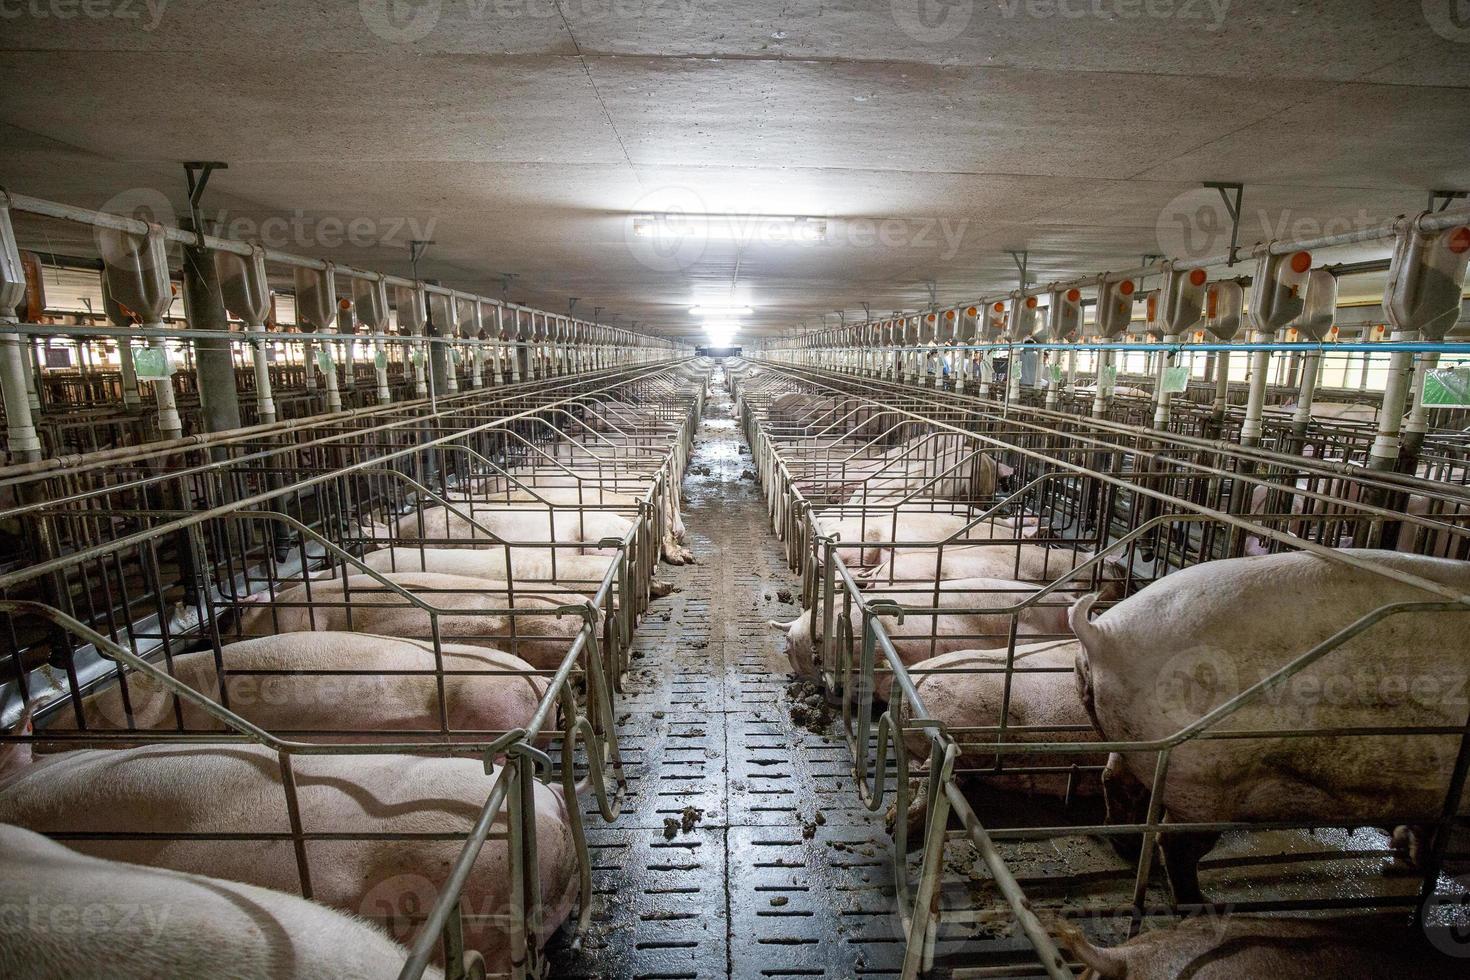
(24, 443)
(214, 363)
(1161, 392)
(169, 424)
(1250, 429)
(1434, 221)
(1302, 417)
(1384, 453)
(265, 404)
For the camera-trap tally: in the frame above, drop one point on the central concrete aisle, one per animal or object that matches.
(743, 850)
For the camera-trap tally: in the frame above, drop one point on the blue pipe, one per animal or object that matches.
(1385, 347)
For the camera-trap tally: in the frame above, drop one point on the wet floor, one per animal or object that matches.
(742, 850)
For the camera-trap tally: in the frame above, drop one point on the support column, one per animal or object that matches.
(1255, 406)
(1384, 453)
(265, 404)
(25, 445)
(214, 362)
(1302, 416)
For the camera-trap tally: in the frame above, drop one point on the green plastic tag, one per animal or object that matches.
(324, 362)
(1056, 374)
(1176, 379)
(454, 355)
(1447, 387)
(1109, 377)
(418, 357)
(151, 364)
(381, 361)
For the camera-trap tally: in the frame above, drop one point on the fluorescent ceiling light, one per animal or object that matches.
(721, 332)
(720, 311)
(766, 228)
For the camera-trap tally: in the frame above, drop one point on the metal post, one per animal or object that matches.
(1222, 383)
(214, 361)
(169, 425)
(25, 445)
(1417, 424)
(380, 369)
(1250, 430)
(1384, 453)
(265, 405)
(1162, 396)
(1302, 417)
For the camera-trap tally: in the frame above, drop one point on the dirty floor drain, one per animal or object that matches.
(720, 865)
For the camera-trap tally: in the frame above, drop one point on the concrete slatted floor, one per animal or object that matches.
(756, 887)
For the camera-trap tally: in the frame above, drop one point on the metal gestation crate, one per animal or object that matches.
(278, 523)
(1125, 508)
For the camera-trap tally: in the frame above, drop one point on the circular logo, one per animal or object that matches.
(401, 21)
(143, 204)
(1450, 19)
(1446, 920)
(932, 21)
(152, 704)
(1193, 225)
(1193, 682)
(399, 904)
(667, 229)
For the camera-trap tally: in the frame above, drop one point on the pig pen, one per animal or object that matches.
(268, 535)
(998, 827)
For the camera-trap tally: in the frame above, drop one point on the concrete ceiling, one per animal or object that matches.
(933, 135)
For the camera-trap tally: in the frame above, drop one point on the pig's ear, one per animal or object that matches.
(777, 626)
(1004, 471)
(15, 756)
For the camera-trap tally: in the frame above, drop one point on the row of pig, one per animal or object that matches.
(184, 857)
(853, 468)
(1014, 646)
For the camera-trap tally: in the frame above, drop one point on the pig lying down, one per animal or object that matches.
(1043, 695)
(530, 566)
(526, 524)
(919, 637)
(364, 605)
(190, 789)
(364, 701)
(1189, 642)
(861, 536)
(130, 922)
(1251, 947)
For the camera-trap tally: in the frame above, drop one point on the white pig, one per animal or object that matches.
(1046, 698)
(1187, 643)
(920, 637)
(144, 923)
(365, 605)
(191, 789)
(365, 700)
(489, 563)
(1237, 947)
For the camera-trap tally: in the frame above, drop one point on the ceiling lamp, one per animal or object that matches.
(765, 228)
(720, 312)
(721, 332)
